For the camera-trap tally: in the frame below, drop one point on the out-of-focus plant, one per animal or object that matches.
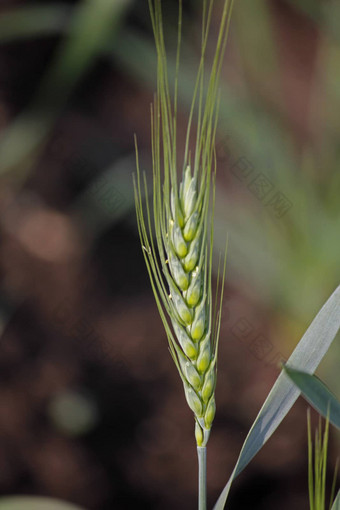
(74, 56)
(34, 503)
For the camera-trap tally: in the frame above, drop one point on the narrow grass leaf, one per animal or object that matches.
(317, 394)
(307, 356)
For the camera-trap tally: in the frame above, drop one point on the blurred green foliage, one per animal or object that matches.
(34, 503)
(92, 23)
(288, 258)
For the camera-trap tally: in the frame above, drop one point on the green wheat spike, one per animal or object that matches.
(175, 228)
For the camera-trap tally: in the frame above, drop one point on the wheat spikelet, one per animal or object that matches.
(176, 232)
(190, 299)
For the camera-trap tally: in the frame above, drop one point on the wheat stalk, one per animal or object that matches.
(176, 231)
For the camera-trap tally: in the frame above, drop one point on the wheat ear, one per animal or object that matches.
(175, 232)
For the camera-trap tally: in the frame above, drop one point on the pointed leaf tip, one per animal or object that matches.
(317, 394)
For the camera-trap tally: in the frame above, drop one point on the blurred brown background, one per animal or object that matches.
(91, 407)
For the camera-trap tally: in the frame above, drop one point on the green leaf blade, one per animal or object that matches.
(307, 356)
(317, 394)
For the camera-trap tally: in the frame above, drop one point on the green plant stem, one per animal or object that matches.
(202, 477)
